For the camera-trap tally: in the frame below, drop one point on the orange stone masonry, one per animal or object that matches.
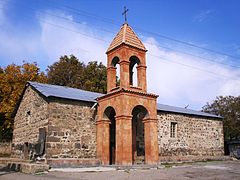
(126, 50)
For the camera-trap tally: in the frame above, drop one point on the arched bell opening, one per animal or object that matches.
(110, 113)
(133, 79)
(138, 144)
(115, 63)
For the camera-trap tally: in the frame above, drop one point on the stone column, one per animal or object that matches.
(151, 141)
(123, 140)
(134, 145)
(111, 78)
(103, 141)
(142, 79)
(124, 74)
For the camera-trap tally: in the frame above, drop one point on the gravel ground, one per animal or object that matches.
(208, 170)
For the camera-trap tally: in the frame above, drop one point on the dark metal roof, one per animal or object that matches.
(81, 95)
(167, 108)
(65, 92)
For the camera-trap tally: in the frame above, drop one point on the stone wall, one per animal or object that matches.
(32, 114)
(5, 149)
(195, 136)
(72, 130)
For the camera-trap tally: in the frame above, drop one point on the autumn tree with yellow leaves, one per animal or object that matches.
(67, 71)
(13, 79)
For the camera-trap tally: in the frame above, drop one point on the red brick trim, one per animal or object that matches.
(127, 91)
(147, 120)
(103, 121)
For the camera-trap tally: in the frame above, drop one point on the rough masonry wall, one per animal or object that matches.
(72, 130)
(197, 136)
(5, 149)
(31, 115)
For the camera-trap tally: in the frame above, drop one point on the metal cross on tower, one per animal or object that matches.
(125, 13)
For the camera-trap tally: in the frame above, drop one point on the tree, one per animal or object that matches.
(95, 77)
(229, 108)
(69, 71)
(13, 79)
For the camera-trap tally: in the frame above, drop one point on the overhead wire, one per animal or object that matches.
(193, 67)
(76, 10)
(193, 55)
(169, 60)
(112, 22)
(159, 46)
(108, 20)
(100, 39)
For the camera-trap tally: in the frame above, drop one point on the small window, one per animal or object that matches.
(173, 129)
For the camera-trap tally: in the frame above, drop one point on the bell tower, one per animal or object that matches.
(126, 50)
(126, 105)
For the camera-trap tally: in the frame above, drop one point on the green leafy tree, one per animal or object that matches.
(95, 78)
(12, 82)
(69, 71)
(229, 108)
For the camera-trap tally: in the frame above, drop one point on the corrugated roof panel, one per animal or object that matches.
(65, 92)
(82, 95)
(167, 108)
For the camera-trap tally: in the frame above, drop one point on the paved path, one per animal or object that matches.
(210, 170)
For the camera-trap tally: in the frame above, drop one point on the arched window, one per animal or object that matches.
(133, 79)
(115, 63)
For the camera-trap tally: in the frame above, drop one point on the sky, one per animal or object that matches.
(193, 46)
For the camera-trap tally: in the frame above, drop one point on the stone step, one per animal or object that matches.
(29, 168)
(72, 162)
(22, 165)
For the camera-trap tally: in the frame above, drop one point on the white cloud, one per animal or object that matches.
(195, 84)
(60, 37)
(56, 37)
(167, 76)
(14, 48)
(204, 15)
(15, 44)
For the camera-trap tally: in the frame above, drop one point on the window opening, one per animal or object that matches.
(173, 129)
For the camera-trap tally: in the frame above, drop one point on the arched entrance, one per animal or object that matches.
(131, 129)
(138, 143)
(110, 113)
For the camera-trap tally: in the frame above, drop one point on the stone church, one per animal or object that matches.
(72, 127)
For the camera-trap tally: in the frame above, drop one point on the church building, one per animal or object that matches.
(72, 127)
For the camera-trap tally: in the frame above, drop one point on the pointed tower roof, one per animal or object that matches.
(126, 36)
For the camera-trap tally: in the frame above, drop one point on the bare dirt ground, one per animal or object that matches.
(203, 170)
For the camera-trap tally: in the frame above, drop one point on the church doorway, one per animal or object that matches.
(138, 143)
(110, 113)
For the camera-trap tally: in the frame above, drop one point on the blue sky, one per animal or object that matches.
(42, 31)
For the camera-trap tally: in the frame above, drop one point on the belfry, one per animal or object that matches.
(127, 114)
(69, 127)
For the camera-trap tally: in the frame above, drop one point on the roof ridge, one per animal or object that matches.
(124, 32)
(59, 86)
